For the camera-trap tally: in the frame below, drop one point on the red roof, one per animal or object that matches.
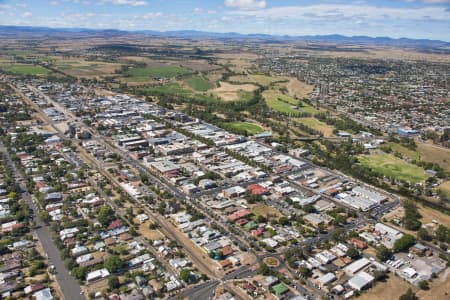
(239, 214)
(241, 222)
(256, 189)
(227, 250)
(257, 232)
(115, 224)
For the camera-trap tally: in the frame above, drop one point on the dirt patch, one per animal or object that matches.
(148, 233)
(265, 211)
(429, 214)
(439, 288)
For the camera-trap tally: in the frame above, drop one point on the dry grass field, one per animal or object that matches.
(265, 211)
(231, 92)
(299, 89)
(435, 154)
(395, 285)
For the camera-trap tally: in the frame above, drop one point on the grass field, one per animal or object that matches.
(140, 74)
(83, 68)
(391, 166)
(280, 102)
(167, 89)
(23, 69)
(266, 80)
(249, 127)
(395, 285)
(199, 83)
(435, 154)
(326, 129)
(445, 187)
(404, 151)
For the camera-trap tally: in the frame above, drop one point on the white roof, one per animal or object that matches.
(360, 280)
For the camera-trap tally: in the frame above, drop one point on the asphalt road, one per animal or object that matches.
(69, 286)
(203, 291)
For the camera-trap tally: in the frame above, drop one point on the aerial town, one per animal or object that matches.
(184, 165)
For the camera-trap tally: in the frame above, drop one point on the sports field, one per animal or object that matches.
(393, 167)
(249, 127)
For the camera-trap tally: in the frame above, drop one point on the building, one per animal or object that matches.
(326, 279)
(356, 266)
(360, 281)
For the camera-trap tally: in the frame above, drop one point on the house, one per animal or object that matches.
(356, 266)
(257, 190)
(97, 275)
(45, 294)
(233, 192)
(361, 245)
(360, 281)
(239, 214)
(324, 280)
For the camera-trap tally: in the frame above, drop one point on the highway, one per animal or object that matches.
(68, 285)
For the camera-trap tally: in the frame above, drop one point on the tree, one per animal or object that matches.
(79, 272)
(409, 295)
(304, 271)
(423, 234)
(404, 242)
(352, 252)
(424, 285)
(383, 253)
(106, 215)
(185, 274)
(283, 221)
(380, 275)
(113, 282)
(113, 264)
(263, 269)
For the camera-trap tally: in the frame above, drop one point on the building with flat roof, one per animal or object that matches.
(361, 280)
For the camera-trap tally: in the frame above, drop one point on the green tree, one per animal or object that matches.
(185, 274)
(424, 285)
(113, 282)
(404, 242)
(79, 272)
(423, 234)
(263, 269)
(106, 215)
(409, 295)
(352, 252)
(383, 253)
(113, 264)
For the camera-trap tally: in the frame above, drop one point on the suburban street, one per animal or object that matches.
(69, 286)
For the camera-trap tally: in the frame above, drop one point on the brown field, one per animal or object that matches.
(445, 187)
(230, 92)
(439, 288)
(393, 288)
(265, 211)
(435, 154)
(429, 214)
(152, 235)
(299, 89)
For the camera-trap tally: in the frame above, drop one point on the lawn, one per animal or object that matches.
(168, 89)
(287, 104)
(313, 123)
(280, 102)
(249, 127)
(23, 69)
(393, 167)
(199, 83)
(153, 72)
(266, 80)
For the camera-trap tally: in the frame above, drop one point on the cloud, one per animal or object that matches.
(27, 14)
(152, 15)
(349, 11)
(129, 2)
(246, 4)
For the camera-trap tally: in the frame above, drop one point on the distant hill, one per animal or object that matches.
(193, 34)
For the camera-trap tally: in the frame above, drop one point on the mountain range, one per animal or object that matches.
(10, 31)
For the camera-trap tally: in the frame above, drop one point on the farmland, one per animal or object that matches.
(393, 167)
(24, 69)
(148, 73)
(199, 83)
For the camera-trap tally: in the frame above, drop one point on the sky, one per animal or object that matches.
(394, 18)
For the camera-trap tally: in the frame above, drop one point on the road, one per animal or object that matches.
(69, 286)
